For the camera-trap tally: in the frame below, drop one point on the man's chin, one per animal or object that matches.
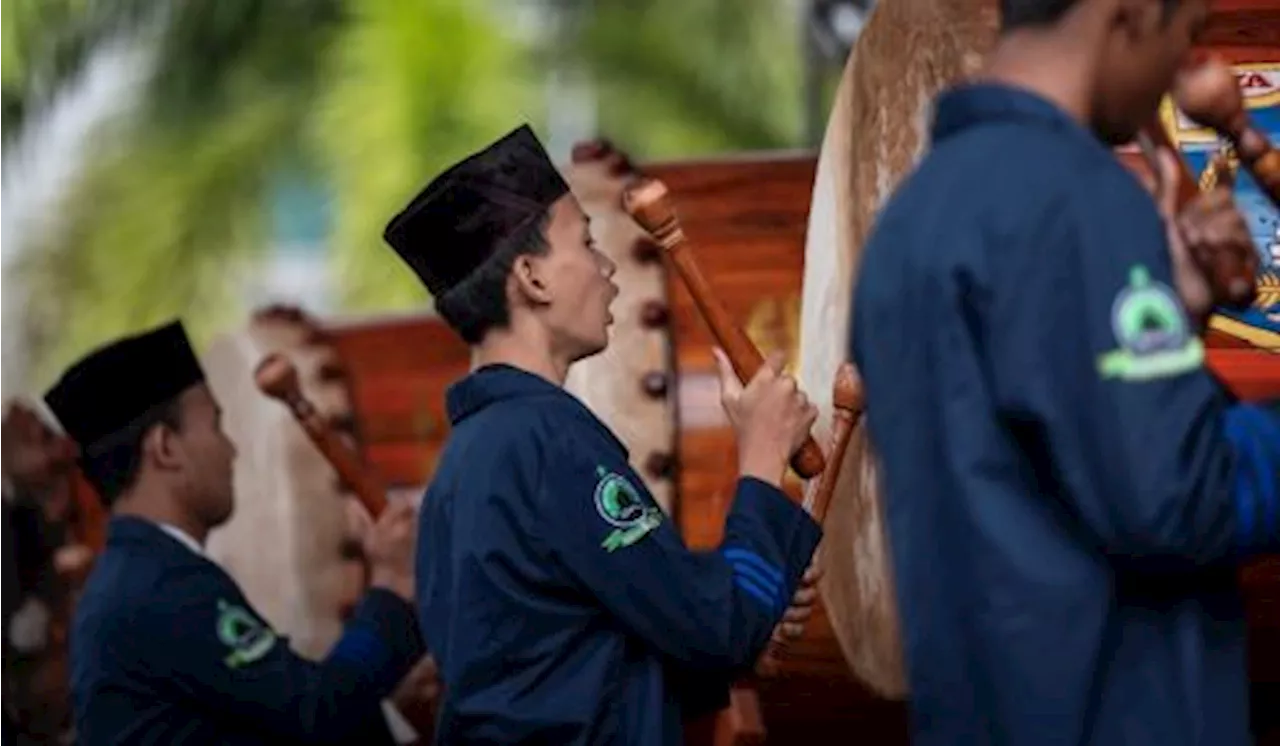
(223, 517)
(1120, 133)
(593, 348)
(1118, 138)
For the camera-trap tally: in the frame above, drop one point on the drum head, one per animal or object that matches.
(909, 50)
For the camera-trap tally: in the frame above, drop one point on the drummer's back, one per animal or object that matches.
(1015, 631)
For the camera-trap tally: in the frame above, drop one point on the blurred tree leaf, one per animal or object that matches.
(47, 42)
(684, 77)
(174, 195)
(375, 96)
(208, 45)
(413, 86)
(158, 227)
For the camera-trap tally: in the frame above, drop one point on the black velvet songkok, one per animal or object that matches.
(468, 212)
(116, 386)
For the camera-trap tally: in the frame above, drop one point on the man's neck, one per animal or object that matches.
(158, 508)
(1050, 64)
(523, 352)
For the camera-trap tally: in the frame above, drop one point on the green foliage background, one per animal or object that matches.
(369, 97)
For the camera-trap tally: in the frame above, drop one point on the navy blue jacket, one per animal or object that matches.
(166, 650)
(559, 600)
(1069, 489)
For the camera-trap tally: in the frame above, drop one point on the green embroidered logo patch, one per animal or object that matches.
(621, 506)
(1152, 330)
(248, 638)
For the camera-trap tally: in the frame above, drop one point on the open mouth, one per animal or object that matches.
(612, 297)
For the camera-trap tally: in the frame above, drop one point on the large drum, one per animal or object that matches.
(909, 50)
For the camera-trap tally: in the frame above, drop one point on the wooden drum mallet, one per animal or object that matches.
(848, 401)
(1210, 96)
(649, 204)
(847, 404)
(277, 377)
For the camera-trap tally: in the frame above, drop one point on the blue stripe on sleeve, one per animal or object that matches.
(769, 600)
(1255, 485)
(757, 576)
(746, 556)
(747, 572)
(360, 645)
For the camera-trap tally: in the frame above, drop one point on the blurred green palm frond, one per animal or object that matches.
(413, 87)
(156, 228)
(43, 43)
(685, 77)
(170, 214)
(171, 193)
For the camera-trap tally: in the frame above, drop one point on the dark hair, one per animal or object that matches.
(479, 303)
(112, 464)
(1016, 14)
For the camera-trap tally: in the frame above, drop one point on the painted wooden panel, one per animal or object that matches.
(399, 370)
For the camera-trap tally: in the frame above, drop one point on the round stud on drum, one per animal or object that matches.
(654, 384)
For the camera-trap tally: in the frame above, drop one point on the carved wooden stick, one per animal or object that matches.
(847, 404)
(1210, 95)
(847, 401)
(277, 377)
(648, 203)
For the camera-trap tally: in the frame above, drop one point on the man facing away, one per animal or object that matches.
(164, 647)
(1069, 489)
(562, 605)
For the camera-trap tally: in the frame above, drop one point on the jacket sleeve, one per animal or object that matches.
(1099, 376)
(707, 611)
(206, 641)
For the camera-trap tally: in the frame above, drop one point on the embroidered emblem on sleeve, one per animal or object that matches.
(621, 506)
(1151, 327)
(247, 639)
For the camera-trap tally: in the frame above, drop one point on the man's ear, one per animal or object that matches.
(530, 279)
(160, 446)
